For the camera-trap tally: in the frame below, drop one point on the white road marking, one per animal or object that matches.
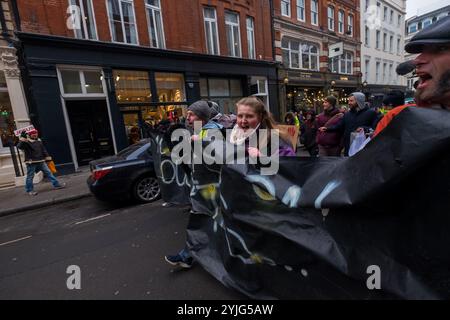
(92, 219)
(17, 240)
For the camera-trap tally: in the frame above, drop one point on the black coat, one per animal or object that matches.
(34, 150)
(352, 120)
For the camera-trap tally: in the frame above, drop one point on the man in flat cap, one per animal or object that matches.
(432, 64)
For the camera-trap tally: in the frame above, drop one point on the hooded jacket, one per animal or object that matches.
(360, 117)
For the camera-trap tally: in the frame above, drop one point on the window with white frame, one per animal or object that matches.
(412, 28)
(377, 39)
(301, 10)
(315, 12)
(122, 21)
(233, 34)
(331, 18)
(399, 20)
(390, 79)
(398, 45)
(350, 25)
(377, 72)
(426, 23)
(391, 44)
(74, 82)
(384, 41)
(341, 21)
(251, 37)
(367, 5)
(366, 70)
(384, 72)
(385, 10)
(366, 36)
(300, 55)
(211, 31)
(343, 63)
(87, 28)
(391, 17)
(378, 10)
(155, 23)
(286, 8)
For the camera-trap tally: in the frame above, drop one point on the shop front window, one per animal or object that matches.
(170, 87)
(71, 81)
(225, 92)
(132, 86)
(7, 125)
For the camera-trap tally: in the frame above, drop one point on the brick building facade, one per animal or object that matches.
(304, 32)
(97, 69)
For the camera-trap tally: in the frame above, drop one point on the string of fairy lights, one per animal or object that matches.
(311, 97)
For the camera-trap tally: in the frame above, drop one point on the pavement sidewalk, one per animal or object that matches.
(16, 200)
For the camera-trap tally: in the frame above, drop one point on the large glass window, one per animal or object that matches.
(286, 8)
(87, 20)
(211, 33)
(315, 12)
(331, 18)
(170, 87)
(301, 10)
(132, 86)
(155, 23)
(71, 81)
(300, 55)
(7, 125)
(343, 63)
(233, 34)
(122, 21)
(251, 38)
(341, 21)
(225, 92)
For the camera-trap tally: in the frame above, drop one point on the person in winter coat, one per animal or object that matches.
(252, 115)
(330, 143)
(358, 118)
(35, 157)
(309, 133)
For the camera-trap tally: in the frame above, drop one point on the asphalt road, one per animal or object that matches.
(119, 252)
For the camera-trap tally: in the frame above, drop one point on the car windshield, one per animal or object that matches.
(134, 150)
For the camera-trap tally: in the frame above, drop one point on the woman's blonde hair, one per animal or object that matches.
(266, 119)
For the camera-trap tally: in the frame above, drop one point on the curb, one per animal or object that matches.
(43, 204)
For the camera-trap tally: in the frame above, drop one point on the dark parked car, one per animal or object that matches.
(129, 174)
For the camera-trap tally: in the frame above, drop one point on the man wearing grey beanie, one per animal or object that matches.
(358, 118)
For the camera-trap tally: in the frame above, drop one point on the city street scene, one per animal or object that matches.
(225, 150)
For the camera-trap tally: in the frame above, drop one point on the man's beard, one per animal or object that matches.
(440, 95)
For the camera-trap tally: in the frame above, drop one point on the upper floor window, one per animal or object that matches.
(391, 17)
(426, 23)
(384, 41)
(391, 44)
(377, 40)
(341, 21)
(233, 34)
(399, 20)
(286, 8)
(350, 25)
(315, 12)
(385, 10)
(398, 46)
(412, 28)
(367, 4)
(155, 23)
(300, 55)
(122, 21)
(331, 18)
(251, 37)
(86, 24)
(367, 36)
(301, 10)
(211, 32)
(343, 63)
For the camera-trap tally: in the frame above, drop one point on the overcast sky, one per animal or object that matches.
(413, 5)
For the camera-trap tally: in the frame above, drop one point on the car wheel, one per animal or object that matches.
(146, 189)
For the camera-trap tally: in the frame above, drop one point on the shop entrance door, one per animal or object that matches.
(91, 130)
